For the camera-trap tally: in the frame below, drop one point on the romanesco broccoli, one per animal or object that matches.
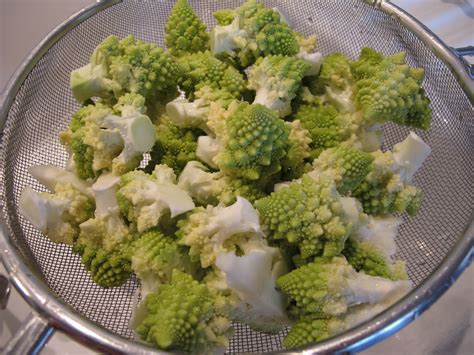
(181, 316)
(307, 214)
(276, 80)
(174, 146)
(213, 188)
(146, 199)
(184, 31)
(125, 66)
(202, 69)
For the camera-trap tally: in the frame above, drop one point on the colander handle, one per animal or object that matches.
(466, 52)
(31, 337)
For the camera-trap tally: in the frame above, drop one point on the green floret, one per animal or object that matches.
(174, 146)
(329, 287)
(252, 31)
(107, 268)
(277, 39)
(212, 231)
(306, 214)
(276, 80)
(383, 88)
(148, 200)
(393, 92)
(154, 257)
(364, 256)
(224, 17)
(57, 214)
(253, 143)
(347, 166)
(213, 188)
(202, 69)
(327, 127)
(184, 31)
(308, 330)
(294, 164)
(384, 191)
(99, 139)
(195, 114)
(128, 65)
(181, 317)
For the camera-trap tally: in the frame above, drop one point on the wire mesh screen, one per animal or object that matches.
(45, 104)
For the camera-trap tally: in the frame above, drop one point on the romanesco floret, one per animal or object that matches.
(107, 268)
(184, 31)
(252, 143)
(307, 214)
(58, 213)
(194, 114)
(330, 286)
(212, 230)
(181, 316)
(372, 246)
(146, 199)
(276, 80)
(310, 329)
(202, 69)
(252, 31)
(100, 140)
(107, 229)
(365, 257)
(207, 187)
(294, 163)
(128, 65)
(327, 127)
(174, 146)
(154, 257)
(224, 17)
(387, 188)
(260, 305)
(382, 88)
(347, 166)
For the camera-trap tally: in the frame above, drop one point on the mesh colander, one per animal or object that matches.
(437, 244)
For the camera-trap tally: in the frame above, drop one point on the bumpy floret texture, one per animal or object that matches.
(347, 166)
(299, 140)
(107, 269)
(253, 143)
(215, 187)
(147, 200)
(252, 31)
(224, 17)
(181, 316)
(276, 80)
(306, 214)
(327, 127)
(100, 140)
(364, 256)
(174, 146)
(184, 31)
(391, 91)
(125, 66)
(203, 69)
(384, 191)
(155, 256)
(307, 330)
(212, 230)
(57, 214)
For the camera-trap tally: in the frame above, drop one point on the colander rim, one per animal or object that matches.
(62, 316)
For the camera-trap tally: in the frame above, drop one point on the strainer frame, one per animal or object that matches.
(60, 315)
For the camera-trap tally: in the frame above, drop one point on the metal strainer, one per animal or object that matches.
(437, 244)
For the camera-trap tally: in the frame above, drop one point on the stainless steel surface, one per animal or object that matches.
(31, 338)
(4, 291)
(39, 104)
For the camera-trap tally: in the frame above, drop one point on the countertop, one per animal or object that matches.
(447, 328)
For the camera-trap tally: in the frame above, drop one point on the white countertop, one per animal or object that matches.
(447, 328)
